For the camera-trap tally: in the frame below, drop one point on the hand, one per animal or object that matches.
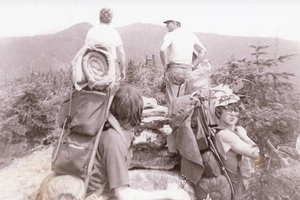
(258, 163)
(194, 67)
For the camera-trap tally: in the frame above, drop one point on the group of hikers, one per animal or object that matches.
(181, 53)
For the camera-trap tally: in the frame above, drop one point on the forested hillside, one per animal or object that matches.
(20, 55)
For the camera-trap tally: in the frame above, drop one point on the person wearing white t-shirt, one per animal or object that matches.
(103, 34)
(176, 53)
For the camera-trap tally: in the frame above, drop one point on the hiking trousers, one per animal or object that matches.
(175, 77)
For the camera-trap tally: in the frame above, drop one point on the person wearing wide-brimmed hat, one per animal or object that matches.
(176, 53)
(235, 148)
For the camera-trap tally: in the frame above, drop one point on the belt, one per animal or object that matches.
(179, 65)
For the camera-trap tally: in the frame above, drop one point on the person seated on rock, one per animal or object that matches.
(110, 175)
(114, 155)
(234, 146)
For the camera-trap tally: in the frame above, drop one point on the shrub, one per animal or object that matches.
(147, 77)
(272, 116)
(29, 109)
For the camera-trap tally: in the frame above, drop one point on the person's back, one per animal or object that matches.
(182, 46)
(104, 35)
(176, 53)
(112, 163)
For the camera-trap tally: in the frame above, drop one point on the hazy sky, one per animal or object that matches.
(263, 18)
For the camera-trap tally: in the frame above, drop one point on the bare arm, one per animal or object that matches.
(242, 133)
(163, 59)
(121, 55)
(166, 43)
(245, 149)
(127, 193)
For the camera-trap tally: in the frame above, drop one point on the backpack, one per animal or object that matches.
(75, 151)
(212, 167)
(85, 111)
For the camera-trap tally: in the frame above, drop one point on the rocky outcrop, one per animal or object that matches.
(149, 144)
(152, 167)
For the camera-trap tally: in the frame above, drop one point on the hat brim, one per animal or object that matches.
(167, 21)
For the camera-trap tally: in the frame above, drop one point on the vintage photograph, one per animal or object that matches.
(150, 100)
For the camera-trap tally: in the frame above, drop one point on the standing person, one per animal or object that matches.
(234, 146)
(176, 53)
(104, 35)
(113, 156)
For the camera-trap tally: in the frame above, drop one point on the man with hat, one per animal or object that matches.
(176, 53)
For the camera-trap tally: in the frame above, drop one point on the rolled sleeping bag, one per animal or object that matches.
(98, 72)
(218, 188)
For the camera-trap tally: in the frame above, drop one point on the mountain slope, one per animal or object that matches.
(20, 55)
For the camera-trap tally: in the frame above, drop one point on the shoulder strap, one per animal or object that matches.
(97, 139)
(115, 124)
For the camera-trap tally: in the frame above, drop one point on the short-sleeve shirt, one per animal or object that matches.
(180, 46)
(105, 35)
(111, 164)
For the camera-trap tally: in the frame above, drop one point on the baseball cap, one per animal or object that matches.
(172, 18)
(169, 20)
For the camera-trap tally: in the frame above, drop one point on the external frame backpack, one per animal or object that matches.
(75, 152)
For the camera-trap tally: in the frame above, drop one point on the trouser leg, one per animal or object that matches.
(171, 93)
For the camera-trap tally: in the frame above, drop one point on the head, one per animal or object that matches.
(127, 107)
(228, 115)
(106, 15)
(172, 25)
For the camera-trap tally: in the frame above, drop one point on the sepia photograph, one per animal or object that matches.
(150, 100)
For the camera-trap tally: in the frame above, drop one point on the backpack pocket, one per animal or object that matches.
(72, 154)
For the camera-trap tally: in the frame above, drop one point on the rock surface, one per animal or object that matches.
(149, 145)
(21, 180)
(152, 167)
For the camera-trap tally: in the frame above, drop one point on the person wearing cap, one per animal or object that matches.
(234, 146)
(176, 53)
(104, 35)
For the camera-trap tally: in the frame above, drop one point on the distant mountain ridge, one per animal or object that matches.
(20, 55)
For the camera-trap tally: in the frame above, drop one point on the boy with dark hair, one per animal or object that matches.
(110, 178)
(114, 155)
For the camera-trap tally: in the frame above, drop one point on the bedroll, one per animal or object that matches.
(200, 163)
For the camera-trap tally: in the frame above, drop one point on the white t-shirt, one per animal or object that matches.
(104, 35)
(180, 46)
